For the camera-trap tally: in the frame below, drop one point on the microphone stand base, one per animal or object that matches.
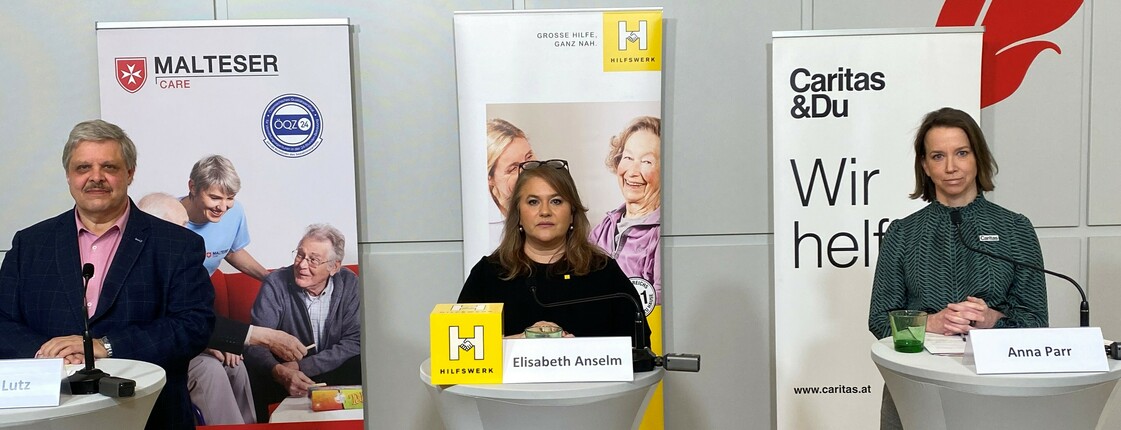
(85, 381)
(643, 359)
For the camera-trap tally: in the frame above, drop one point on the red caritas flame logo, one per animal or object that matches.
(1006, 52)
(131, 73)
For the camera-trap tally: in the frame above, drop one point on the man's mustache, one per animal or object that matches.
(98, 186)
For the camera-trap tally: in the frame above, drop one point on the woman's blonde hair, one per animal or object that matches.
(499, 135)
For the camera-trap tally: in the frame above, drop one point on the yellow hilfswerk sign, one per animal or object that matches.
(466, 343)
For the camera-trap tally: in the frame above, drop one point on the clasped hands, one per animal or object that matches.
(228, 359)
(540, 324)
(959, 318)
(70, 349)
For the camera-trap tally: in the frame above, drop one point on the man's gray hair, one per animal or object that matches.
(96, 130)
(330, 234)
(215, 170)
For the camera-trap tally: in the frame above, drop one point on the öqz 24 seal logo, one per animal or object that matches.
(292, 126)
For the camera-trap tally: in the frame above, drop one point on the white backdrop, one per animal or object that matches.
(854, 166)
(210, 104)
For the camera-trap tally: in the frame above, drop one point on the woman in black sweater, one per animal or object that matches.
(544, 248)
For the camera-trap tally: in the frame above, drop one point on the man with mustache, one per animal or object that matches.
(149, 298)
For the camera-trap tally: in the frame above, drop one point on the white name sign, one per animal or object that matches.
(27, 383)
(1036, 350)
(581, 359)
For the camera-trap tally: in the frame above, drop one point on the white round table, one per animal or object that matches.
(940, 392)
(95, 411)
(561, 405)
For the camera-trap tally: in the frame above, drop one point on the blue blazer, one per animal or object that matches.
(156, 303)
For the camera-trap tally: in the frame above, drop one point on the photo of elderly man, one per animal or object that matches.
(317, 300)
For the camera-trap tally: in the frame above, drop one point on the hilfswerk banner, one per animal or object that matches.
(274, 97)
(846, 106)
(584, 86)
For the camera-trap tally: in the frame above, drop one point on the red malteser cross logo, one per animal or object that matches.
(1012, 37)
(132, 72)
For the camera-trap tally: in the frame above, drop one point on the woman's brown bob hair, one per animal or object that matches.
(580, 256)
(950, 117)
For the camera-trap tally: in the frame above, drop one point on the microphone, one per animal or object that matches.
(644, 360)
(1084, 308)
(87, 380)
(641, 355)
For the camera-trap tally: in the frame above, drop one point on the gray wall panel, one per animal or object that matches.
(718, 116)
(721, 309)
(1036, 134)
(401, 283)
(1063, 255)
(405, 109)
(851, 14)
(1105, 103)
(48, 66)
(1105, 296)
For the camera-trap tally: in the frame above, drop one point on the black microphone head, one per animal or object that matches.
(87, 271)
(955, 217)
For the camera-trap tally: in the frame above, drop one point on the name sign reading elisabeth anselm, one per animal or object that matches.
(588, 359)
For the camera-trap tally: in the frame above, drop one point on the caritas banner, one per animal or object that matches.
(846, 105)
(584, 86)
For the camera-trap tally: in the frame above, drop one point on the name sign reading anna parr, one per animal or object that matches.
(30, 383)
(579, 359)
(1036, 350)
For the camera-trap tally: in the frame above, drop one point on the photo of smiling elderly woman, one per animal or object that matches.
(217, 217)
(630, 233)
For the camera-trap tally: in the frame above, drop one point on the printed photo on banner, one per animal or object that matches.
(613, 150)
(583, 86)
(259, 162)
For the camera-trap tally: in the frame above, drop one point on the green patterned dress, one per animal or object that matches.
(923, 266)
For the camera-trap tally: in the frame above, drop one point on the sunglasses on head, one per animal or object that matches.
(554, 163)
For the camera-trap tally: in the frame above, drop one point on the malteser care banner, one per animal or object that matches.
(846, 106)
(579, 85)
(272, 96)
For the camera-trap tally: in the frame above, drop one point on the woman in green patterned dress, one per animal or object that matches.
(923, 264)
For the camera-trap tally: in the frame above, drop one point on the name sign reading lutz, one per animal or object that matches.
(466, 343)
(579, 359)
(30, 383)
(1036, 350)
